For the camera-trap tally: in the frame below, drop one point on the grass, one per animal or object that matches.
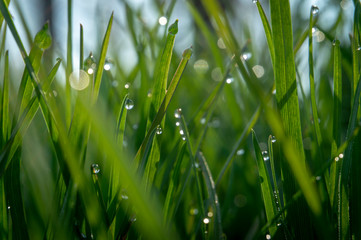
(159, 150)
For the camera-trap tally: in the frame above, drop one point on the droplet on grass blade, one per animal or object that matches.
(273, 139)
(229, 80)
(240, 152)
(127, 85)
(254, 1)
(90, 64)
(95, 168)
(268, 236)
(79, 80)
(206, 220)
(314, 10)
(108, 64)
(245, 56)
(159, 130)
(129, 104)
(265, 155)
(178, 113)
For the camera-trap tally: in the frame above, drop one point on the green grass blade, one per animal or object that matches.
(312, 84)
(336, 130)
(5, 117)
(266, 184)
(1, 16)
(81, 54)
(100, 66)
(286, 94)
(267, 30)
(159, 90)
(69, 62)
(165, 103)
(213, 197)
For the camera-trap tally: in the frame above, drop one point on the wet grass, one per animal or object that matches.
(220, 141)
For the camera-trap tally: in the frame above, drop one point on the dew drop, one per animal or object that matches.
(206, 220)
(177, 124)
(181, 132)
(178, 113)
(254, 1)
(108, 64)
(133, 218)
(203, 121)
(8, 207)
(273, 139)
(268, 236)
(359, 48)
(246, 56)
(337, 159)
(183, 138)
(79, 80)
(229, 80)
(129, 104)
(314, 10)
(124, 195)
(162, 20)
(240, 152)
(265, 155)
(89, 64)
(210, 214)
(127, 85)
(95, 168)
(279, 224)
(159, 130)
(340, 155)
(318, 178)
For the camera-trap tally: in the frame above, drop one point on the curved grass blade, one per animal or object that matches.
(69, 62)
(211, 188)
(266, 184)
(167, 98)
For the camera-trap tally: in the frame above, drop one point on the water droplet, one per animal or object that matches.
(149, 94)
(334, 42)
(95, 168)
(340, 155)
(359, 48)
(193, 211)
(108, 64)
(274, 92)
(210, 214)
(240, 152)
(181, 132)
(79, 80)
(279, 224)
(314, 10)
(196, 165)
(273, 139)
(162, 20)
(90, 64)
(229, 80)
(254, 1)
(246, 56)
(206, 220)
(265, 155)
(318, 178)
(159, 130)
(220, 43)
(337, 159)
(178, 113)
(129, 104)
(203, 121)
(8, 207)
(127, 85)
(258, 71)
(133, 218)
(124, 195)
(177, 124)
(268, 236)
(183, 138)
(201, 66)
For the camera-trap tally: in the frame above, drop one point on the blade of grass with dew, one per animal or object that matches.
(275, 172)
(24, 122)
(316, 124)
(286, 94)
(344, 176)
(183, 126)
(159, 91)
(336, 128)
(167, 98)
(213, 197)
(355, 46)
(266, 184)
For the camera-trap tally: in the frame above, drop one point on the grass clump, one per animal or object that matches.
(228, 138)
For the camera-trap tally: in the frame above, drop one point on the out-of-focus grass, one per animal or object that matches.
(163, 150)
